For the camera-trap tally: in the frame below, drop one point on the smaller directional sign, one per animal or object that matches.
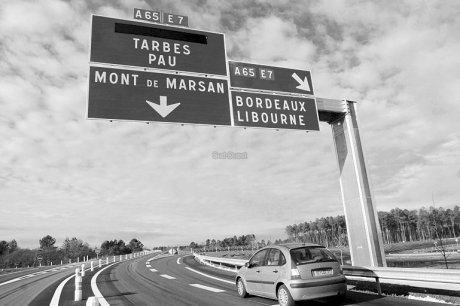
(151, 96)
(269, 78)
(274, 111)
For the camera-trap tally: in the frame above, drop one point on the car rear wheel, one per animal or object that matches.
(284, 296)
(241, 288)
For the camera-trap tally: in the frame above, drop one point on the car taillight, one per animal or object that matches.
(295, 274)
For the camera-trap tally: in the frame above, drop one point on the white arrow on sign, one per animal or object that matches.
(163, 108)
(304, 85)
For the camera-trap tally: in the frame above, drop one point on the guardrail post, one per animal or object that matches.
(126, 256)
(92, 267)
(78, 292)
(100, 263)
(379, 288)
(107, 260)
(121, 257)
(114, 259)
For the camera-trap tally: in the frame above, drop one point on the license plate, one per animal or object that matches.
(326, 272)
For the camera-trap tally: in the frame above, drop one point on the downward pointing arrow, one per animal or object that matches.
(304, 85)
(163, 108)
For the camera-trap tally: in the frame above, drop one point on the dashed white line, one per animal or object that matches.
(153, 270)
(148, 266)
(207, 288)
(167, 276)
(216, 278)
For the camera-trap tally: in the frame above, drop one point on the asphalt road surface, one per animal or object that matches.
(177, 280)
(169, 281)
(32, 287)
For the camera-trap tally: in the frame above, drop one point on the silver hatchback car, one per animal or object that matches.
(292, 272)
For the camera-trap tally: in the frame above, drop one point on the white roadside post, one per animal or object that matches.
(107, 260)
(92, 301)
(121, 257)
(114, 259)
(78, 292)
(100, 263)
(92, 266)
(82, 269)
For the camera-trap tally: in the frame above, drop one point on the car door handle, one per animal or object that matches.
(258, 271)
(275, 271)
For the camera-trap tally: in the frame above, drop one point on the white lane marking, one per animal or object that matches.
(207, 288)
(97, 293)
(57, 293)
(167, 276)
(216, 278)
(148, 266)
(153, 270)
(26, 276)
(178, 260)
(11, 281)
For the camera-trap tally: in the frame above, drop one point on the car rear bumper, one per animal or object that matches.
(317, 289)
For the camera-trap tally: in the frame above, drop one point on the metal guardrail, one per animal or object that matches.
(425, 278)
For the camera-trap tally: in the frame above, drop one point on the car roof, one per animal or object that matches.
(295, 245)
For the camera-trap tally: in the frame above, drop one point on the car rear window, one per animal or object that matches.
(305, 255)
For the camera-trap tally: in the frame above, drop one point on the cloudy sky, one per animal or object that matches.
(66, 176)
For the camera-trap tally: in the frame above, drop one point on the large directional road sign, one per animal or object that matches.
(253, 109)
(269, 78)
(133, 43)
(152, 96)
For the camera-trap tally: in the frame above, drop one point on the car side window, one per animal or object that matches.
(275, 258)
(258, 259)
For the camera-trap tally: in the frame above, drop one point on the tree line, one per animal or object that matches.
(397, 225)
(241, 241)
(72, 249)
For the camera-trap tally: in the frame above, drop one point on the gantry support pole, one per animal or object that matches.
(364, 234)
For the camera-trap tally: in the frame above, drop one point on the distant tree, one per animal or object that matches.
(47, 242)
(114, 247)
(18, 258)
(12, 246)
(3, 247)
(75, 248)
(193, 245)
(135, 245)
